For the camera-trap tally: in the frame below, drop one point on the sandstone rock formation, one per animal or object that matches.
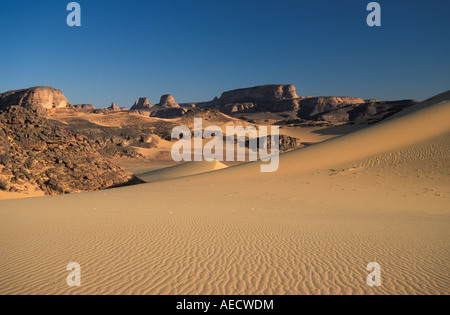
(37, 154)
(115, 142)
(84, 107)
(286, 143)
(280, 106)
(238, 108)
(114, 108)
(258, 94)
(210, 104)
(36, 97)
(367, 112)
(142, 104)
(314, 106)
(167, 101)
(173, 112)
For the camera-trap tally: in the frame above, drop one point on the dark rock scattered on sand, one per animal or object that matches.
(174, 112)
(37, 154)
(115, 142)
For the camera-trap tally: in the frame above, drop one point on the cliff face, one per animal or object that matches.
(36, 97)
(258, 94)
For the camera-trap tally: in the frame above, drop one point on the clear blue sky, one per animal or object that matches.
(196, 49)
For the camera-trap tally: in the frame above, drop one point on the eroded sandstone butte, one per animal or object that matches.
(167, 101)
(36, 97)
(142, 104)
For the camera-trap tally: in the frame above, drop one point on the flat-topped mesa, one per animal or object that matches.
(43, 97)
(142, 104)
(259, 94)
(168, 101)
(114, 108)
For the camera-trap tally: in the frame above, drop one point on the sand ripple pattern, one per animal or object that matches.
(154, 251)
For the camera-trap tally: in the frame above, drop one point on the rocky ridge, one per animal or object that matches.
(35, 154)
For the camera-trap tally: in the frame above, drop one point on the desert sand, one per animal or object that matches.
(380, 194)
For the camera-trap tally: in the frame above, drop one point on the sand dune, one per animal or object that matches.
(177, 171)
(377, 195)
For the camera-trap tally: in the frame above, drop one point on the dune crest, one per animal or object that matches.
(182, 170)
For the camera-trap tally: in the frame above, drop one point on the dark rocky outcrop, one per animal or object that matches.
(142, 104)
(43, 97)
(167, 101)
(238, 108)
(37, 154)
(114, 108)
(169, 112)
(259, 94)
(115, 142)
(280, 106)
(286, 143)
(211, 104)
(371, 112)
(313, 106)
(85, 107)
